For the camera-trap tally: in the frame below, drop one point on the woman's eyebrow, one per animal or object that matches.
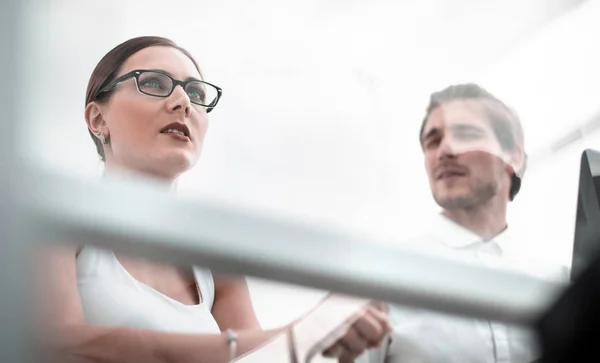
(169, 73)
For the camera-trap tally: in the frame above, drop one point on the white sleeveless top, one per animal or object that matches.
(110, 296)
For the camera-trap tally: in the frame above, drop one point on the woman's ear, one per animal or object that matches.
(95, 119)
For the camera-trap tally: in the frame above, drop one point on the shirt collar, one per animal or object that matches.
(454, 235)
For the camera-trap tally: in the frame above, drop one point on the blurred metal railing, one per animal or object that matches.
(133, 216)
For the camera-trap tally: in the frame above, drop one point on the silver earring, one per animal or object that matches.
(102, 138)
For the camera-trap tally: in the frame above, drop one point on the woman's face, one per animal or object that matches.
(136, 123)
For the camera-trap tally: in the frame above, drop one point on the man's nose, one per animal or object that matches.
(447, 148)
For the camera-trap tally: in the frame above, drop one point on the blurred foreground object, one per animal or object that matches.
(570, 330)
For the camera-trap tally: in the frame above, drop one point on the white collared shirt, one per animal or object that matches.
(422, 336)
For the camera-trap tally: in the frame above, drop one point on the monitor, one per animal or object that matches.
(586, 244)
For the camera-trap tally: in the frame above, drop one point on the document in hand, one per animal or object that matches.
(311, 334)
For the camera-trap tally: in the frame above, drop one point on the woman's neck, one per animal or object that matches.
(118, 172)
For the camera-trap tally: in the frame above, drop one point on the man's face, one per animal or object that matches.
(463, 157)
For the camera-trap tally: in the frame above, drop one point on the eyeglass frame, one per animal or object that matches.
(135, 74)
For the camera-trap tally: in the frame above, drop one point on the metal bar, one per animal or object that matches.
(135, 217)
(12, 297)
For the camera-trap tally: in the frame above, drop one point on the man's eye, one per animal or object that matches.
(433, 142)
(468, 136)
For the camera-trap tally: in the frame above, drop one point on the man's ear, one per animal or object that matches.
(517, 162)
(94, 118)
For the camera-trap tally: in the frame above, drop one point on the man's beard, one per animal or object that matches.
(480, 192)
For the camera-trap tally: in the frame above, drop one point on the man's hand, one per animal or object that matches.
(367, 332)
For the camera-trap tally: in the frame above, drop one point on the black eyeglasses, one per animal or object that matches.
(160, 84)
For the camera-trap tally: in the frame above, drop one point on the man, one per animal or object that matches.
(474, 156)
(475, 160)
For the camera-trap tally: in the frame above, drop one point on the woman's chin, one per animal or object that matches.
(166, 164)
(175, 163)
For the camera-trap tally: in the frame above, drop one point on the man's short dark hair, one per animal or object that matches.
(504, 121)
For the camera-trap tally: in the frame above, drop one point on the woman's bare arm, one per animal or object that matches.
(233, 308)
(84, 344)
(64, 336)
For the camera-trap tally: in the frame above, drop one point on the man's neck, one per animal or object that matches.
(487, 220)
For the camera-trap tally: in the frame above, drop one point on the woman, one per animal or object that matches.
(146, 110)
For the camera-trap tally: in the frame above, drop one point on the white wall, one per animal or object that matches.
(552, 81)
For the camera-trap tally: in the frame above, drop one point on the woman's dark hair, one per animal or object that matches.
(109, 66)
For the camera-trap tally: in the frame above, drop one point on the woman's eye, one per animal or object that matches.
(150, 83)
(196, 95)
